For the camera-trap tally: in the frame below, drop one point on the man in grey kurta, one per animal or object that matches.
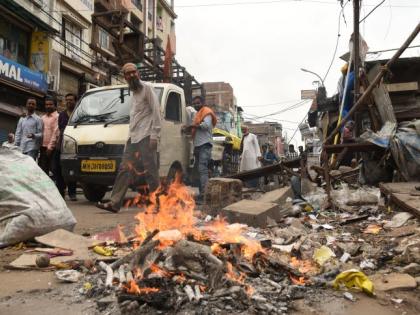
(144, 129)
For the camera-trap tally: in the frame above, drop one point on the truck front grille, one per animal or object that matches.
(107, 149)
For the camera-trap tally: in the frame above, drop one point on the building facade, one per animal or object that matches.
(55, 47)
(268, 133)
(26, 29)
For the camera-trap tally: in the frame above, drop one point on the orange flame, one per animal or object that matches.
(173, 210)
(159, 271)
(133, 288)
(230, 274)
(304, 266)
(249, 290)
(233, 233)
(298, 281)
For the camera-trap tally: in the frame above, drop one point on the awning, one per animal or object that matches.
(12, 110)
(12, 6)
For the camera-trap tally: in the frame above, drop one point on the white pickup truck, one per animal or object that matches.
(97, 132)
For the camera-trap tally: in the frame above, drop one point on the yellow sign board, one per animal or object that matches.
(40, 48)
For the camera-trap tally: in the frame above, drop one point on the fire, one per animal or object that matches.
(230, 274)
(304, 266)
(159, 271)
(168, 210)
(249, 290)
(298, 281)
(224, 233)
(133, 288)
(217, 249)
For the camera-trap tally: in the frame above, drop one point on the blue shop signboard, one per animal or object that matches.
(22, 75)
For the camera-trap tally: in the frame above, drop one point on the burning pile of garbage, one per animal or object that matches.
(179, 260)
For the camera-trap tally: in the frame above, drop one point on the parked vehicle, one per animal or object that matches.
(98, 130)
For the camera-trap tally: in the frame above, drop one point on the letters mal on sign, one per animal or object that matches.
(10, 71)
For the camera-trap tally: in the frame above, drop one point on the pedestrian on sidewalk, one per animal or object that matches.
(63, 120)
(202, 132)
(145, 126)
(29, 131)
(50, 136)
(250, 154)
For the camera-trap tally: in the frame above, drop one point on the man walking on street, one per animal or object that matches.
(29, 131)
(63, 120)
(250, 154)
(145, 125)
(49, 137)
(202, 133)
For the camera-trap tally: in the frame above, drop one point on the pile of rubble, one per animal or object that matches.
(270, 253)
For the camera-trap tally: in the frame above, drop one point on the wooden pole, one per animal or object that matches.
(374, 83)
(356, 48)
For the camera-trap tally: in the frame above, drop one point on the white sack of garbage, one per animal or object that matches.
(30, 204)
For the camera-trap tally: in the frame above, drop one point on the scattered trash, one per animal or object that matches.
(354, 278)
(367, 264)
(104, 251)
(349, 296)
(398, 301)
(398, 220)
(372, 229)
(68, 275)
(322, 255)
(42, 261)
(345, 257)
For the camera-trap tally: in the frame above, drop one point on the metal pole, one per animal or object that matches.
(375, 81)
(356, 54)
(308, 71)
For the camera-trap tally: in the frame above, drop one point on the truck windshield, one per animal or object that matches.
(100, 107)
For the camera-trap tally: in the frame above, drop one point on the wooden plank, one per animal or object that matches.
(407, 202)
(400, 188)
(352, 147)
(401, 87)
(265, 170)
(382, 99)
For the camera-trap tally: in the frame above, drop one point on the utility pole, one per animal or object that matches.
(356, 48)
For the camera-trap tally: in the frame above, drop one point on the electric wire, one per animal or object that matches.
(373, 10)
(338, 39)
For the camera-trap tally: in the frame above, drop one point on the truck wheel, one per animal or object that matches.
(94, 193)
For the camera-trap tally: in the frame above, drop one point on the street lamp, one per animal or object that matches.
(319, 77)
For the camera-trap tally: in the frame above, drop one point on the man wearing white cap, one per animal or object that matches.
(145, 126)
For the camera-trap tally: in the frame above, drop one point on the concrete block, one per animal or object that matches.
(278, 196)
(251, 212)
(221, 192)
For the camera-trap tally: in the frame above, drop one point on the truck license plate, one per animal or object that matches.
(98, 166)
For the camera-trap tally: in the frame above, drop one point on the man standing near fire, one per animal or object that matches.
(144, 133)
(202, 132)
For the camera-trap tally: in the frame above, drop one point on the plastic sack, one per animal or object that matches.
(354, 278)
(405, 148)
(30, 204)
